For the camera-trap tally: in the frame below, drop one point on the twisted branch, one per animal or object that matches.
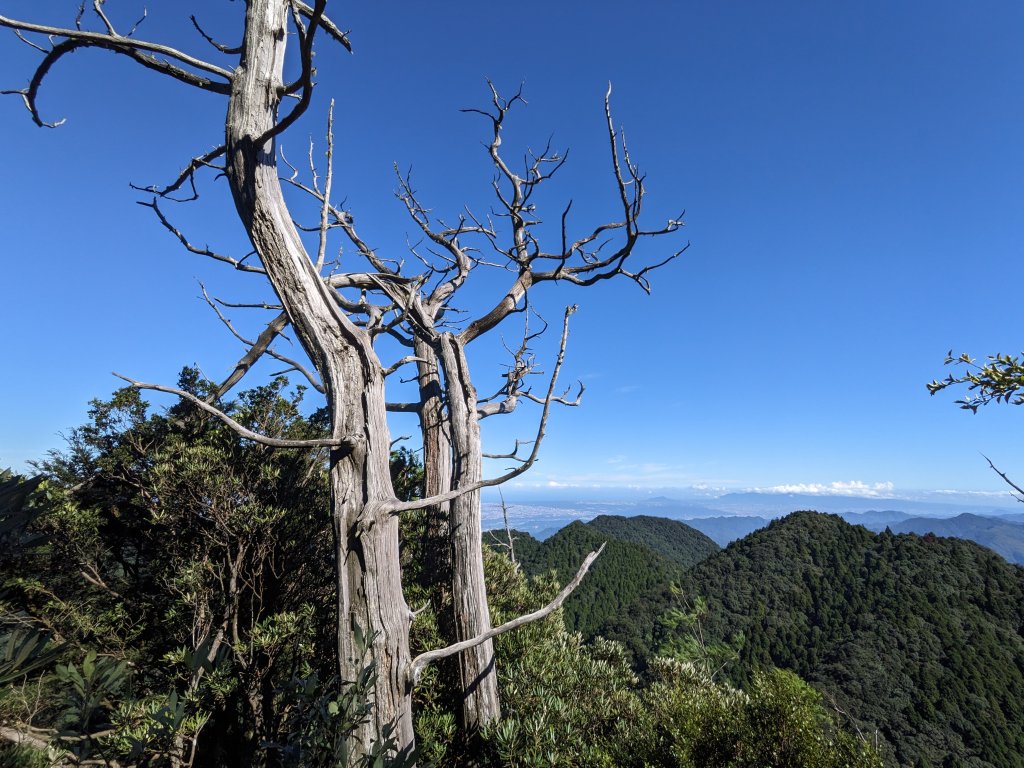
(257, 349)
(346, 444)
(141, 51)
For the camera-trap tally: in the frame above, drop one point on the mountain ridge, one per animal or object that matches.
(917, 639)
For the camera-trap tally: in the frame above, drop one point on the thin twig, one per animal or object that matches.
(1019, 495)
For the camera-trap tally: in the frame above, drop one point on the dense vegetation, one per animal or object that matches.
(921, 638)
(642, 554)
(1005, 536)
(919, 641)
(167, 600)
(185, 572)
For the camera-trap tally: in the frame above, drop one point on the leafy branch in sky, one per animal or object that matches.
(1000, 380)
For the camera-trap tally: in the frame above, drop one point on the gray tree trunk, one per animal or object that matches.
(364, 508)
(437, 460)
(478, 677)
(369, 577)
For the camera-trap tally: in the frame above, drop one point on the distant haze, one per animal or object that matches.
(544, 515)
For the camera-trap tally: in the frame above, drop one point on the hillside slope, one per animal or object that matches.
(623, 572)
(919, 638)
(1003, 536)
(678, 542)
(642, 556)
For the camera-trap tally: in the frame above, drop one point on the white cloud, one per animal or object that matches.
(835, 488)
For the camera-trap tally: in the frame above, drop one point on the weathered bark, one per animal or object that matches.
(437, 466)
(364, 508)
(366, 534)
(478, 677)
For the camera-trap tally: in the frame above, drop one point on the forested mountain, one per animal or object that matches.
(1000, 535)
(679, 542)
(643, 554)
(917, 637)
(115, 574)
(623, 572)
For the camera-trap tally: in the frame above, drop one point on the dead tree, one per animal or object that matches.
(505, 240)
(338, 316)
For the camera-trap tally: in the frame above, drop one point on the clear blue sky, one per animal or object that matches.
(851, 174)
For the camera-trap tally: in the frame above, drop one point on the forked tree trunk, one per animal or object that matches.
(368, 577)
(370, 602)
(478, 677)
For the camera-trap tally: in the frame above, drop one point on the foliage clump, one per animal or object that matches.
(168, 596)
(187, 574)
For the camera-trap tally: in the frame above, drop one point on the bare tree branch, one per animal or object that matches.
(32, 737)
(362, 280)
(506, 306)
(510, 542)
(238, 264)
(399, 363)
(220, 47)
(256, 350)
(561, 399)
(582, 261)
(187, 174)
(91, 575)
(243, 305)
(248, 434)
(513, 454)
(140, 50)
(1018, 493)
(305, 81)
(421, 661)
(447, 238)
(343, 220)
(29, 43)
(328, 178)
(508, 529)
(523, 365)
(328, 26)
(138, 23)
(400, 506)
(403, 407)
